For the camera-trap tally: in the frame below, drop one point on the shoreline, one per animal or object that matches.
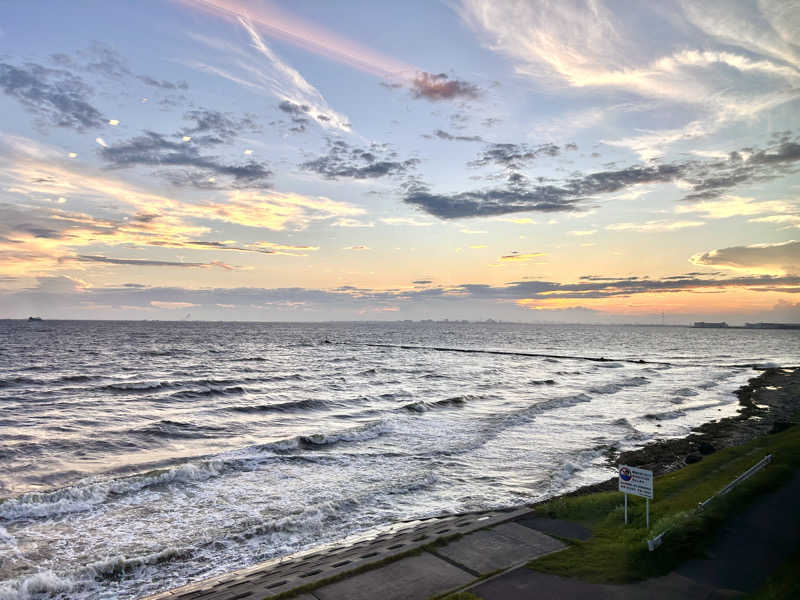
(767, 403)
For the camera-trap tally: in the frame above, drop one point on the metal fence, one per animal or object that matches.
(655, 542)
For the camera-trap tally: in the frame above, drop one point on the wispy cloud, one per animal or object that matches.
(521, 256)
(143, 262)
(589, 45)
(309, 36)
(781, 258)
(654, 226)
(734, 206)
(411, 221)
(260, 69)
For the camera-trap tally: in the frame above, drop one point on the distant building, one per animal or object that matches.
(703, 324)
(772, 325)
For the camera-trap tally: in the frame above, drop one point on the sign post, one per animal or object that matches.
(638, 482)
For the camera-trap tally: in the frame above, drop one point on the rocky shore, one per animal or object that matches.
(768, 403)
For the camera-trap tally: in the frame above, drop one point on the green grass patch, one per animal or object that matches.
(618, 553)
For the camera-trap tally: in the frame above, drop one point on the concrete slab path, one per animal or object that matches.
(409, 578)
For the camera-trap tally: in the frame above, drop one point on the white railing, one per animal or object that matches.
(655, 542)
(746, 475)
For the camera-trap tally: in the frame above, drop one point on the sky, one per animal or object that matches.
(538, 161)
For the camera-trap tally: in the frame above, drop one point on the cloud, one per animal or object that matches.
(172, 305)
(307, 35)
(443, 135)
(790, 220)
(588, 45)
(357, 248)
(153, 149)
(734, 206)
(57, 97)
(514, 156)
(705, 180)
(653, 226)
(351, 223)
(583, 232)
(212, 127)
(441, 87)
(481, 203)
(344, 160)
(247, 68)
(142, 262)
(102, 59)
(405, 221)
(35, 174)
(163, 84)
(521, 256)
(294, 109)
(257, 247)
(473, 300)
(298, 114)
(782, 257)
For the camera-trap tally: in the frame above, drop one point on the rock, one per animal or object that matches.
(705, 448)
(779, 426)
(693, 458)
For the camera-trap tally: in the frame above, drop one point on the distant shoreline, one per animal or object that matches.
(768, 403)
(793, 326)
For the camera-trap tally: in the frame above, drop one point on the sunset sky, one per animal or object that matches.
(470, 159)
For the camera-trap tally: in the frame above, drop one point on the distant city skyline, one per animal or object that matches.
(532, 161)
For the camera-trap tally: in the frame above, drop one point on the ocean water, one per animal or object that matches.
(137, 456)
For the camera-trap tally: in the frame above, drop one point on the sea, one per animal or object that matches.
(139, 456)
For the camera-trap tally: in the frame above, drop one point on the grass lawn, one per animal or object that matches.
(618, 553)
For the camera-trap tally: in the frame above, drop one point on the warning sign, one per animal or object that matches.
(638, 482)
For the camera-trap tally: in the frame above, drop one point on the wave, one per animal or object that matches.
(82, 498)
(292, 377)
(79, 378)
(686, 392)
(542, 382)
(613, 388)
(666, 415)
(422, 406)
(356, 434)
(292, 406)
(209, 391)
(48, 582)
(137, 386)
(633, 433)
(178, 429)
(12, 381)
